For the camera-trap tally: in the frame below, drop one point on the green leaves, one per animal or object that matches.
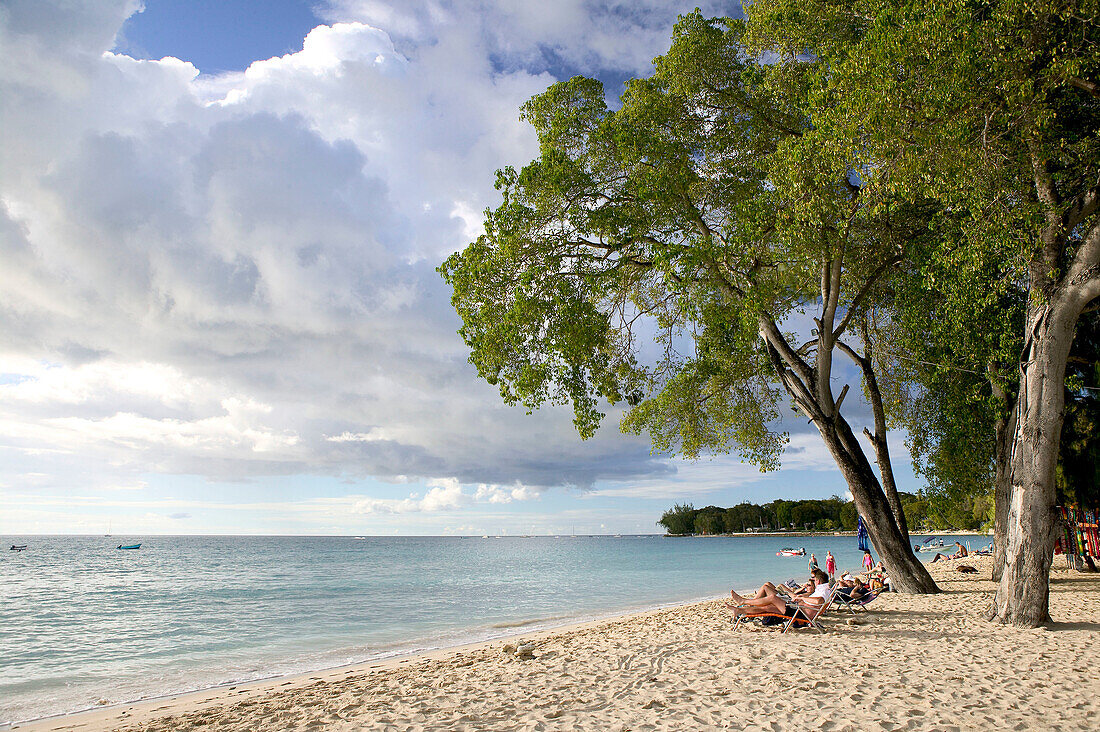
(638, 254)
(633, 257)
(975, 117)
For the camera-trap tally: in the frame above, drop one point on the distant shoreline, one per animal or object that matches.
(801, 534)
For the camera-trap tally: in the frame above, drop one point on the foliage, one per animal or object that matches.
(952, 100)
(817, 514)
(1079, 468)
(924, 511)
(949, 331)
(680, 519)
(688, 217)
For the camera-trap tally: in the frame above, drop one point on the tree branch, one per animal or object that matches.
(1086, 205)
(1085, 85)
(769, 331)
(878, 439)
(1083, 276)
(853, 308)
(830, 290)
(793, 385)
(1047, 194)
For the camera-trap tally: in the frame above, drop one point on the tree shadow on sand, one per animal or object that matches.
(1082, 625)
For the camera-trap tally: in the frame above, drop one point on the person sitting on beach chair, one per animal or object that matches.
(960, 552)
(769, 600)
(852, 589)
(792, 588)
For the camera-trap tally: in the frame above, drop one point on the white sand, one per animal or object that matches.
(915, 662)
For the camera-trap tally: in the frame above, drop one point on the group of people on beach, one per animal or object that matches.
(869, 565)
(811, 597)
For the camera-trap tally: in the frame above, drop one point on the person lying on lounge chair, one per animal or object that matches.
(767, 600)
(852, 589)
(794, 589)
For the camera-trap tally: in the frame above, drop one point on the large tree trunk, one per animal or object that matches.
(907, 573)
(1023, 591)
(1057, 294)
(878, 437)
(811, 391)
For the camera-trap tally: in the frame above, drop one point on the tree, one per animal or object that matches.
(743, 516)
(680, 519)
(849, 517)
(993, 109)
(694, 214)
(953, 332)
(950, 324)
(917, 513)
(710, 520)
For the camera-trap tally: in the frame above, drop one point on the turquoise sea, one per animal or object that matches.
(83, 623)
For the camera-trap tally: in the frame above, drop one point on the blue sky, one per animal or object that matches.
(220, 223)
(217, 35)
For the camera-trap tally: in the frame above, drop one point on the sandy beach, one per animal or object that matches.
(912, 663)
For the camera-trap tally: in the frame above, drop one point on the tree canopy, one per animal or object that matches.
(992, 110)
(693, 254)
(827, 514)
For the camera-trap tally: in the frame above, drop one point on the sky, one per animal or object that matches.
(220, 223)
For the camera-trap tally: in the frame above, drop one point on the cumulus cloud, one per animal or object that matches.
(233, 276)
(570, 36)
(445, 494)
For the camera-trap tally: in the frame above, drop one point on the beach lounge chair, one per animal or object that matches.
(859, 605)
(798, 618)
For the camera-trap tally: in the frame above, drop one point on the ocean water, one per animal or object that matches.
(82, 623)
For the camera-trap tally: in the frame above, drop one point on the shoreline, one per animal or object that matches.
(91, 716)
(903, 662)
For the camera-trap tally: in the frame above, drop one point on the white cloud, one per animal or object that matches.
(234, 276)
(374, 435)
(586, 35)
(443, 495)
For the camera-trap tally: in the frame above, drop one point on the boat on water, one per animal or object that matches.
(129, 546)
(799, 552)
(18, 547)
(931, 545)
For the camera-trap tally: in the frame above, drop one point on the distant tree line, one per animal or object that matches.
(928, 512)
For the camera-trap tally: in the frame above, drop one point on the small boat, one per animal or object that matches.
(800, 552)
(129, 546)
(18, 547)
